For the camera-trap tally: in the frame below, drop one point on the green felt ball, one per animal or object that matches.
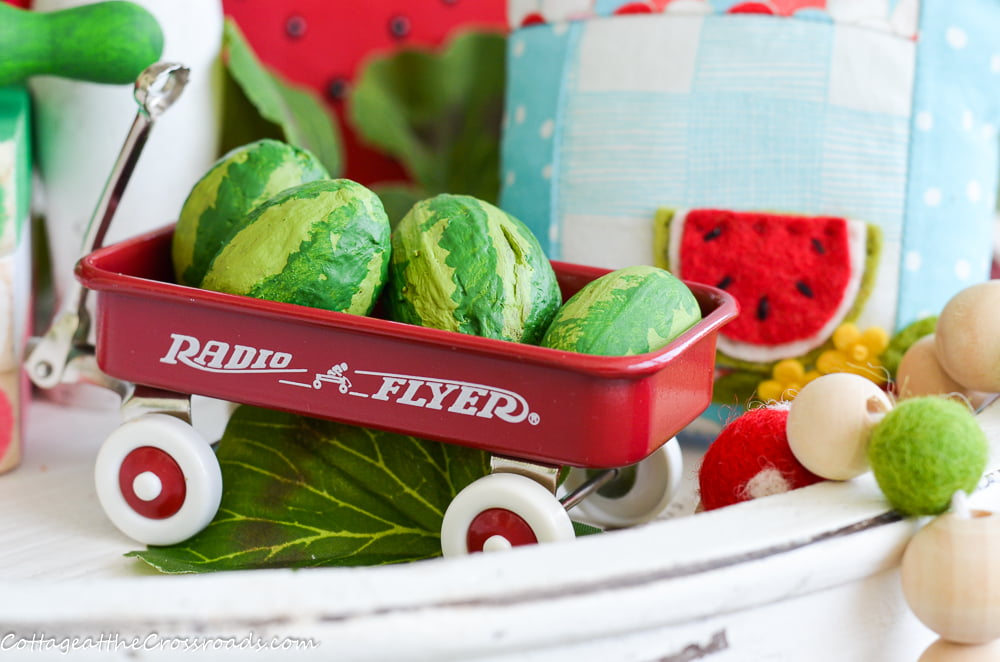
(925, 450)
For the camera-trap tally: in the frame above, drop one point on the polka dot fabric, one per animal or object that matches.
(953, 165)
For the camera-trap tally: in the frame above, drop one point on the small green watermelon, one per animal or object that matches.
(224, 197)
(461, 264)
(323, 244)
(629, 311)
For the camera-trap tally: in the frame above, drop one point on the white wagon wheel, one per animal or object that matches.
(639, 494)
(500, 511)
(158, 480)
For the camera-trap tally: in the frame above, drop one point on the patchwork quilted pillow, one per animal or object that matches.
(865, 129)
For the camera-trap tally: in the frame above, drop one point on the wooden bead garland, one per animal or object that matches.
(920, 373)
(967, 338)
(943, 650)
(951, 576)
(830, 422)
(950, 571)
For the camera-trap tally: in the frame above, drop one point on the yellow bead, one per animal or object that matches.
(943, 650)
(771, 390)
(830, 423)
(789, 371)
(951, 577)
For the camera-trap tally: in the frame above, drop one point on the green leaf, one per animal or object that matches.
(301, 115)
(301, 492)
(398, 199)
(581, 529)
(438, 114)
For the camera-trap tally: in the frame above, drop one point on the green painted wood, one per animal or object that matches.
(15, 165)
(105, 42)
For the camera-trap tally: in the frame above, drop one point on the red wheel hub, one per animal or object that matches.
(173, 488)
(499, 522)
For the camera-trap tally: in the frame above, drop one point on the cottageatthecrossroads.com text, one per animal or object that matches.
(113, 642)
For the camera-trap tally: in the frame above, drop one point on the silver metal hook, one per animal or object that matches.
(156, 89)
(159, 85)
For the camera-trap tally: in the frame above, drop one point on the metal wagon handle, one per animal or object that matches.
(156, 89)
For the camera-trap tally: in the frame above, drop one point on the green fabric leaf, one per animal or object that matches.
(438, 113)
(301, 115)
(302, 492)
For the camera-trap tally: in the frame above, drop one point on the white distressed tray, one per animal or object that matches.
(809, 575)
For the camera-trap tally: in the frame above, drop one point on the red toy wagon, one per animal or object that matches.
(535, 409)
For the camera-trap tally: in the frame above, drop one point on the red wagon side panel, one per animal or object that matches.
(511, 399)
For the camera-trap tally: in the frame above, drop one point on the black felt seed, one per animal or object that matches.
(763, 309)
(804, 288)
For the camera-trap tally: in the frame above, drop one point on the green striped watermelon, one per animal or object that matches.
(461, 264)
(323, 244)
(223, 198)
(629, 311)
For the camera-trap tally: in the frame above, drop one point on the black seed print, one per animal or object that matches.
(399, 26)
(818, 246)
(763, 309)
(804, 288)
(714, 233)
(725, 282)
(336, 88)
(295, 27)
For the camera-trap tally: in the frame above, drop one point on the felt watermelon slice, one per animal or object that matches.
(796, 278)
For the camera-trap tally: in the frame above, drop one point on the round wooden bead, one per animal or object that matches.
(920, 373)
(830, 422)
(943, 650)
(967, 342)
(951, 577)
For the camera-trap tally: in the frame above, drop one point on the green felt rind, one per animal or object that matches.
(462, 264)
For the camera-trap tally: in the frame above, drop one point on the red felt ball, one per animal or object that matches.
(749, 459)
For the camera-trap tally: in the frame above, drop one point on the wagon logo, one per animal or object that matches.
(453, 396)
(456, 397)
(219, 356)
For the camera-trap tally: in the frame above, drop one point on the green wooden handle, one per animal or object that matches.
(105, 42)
